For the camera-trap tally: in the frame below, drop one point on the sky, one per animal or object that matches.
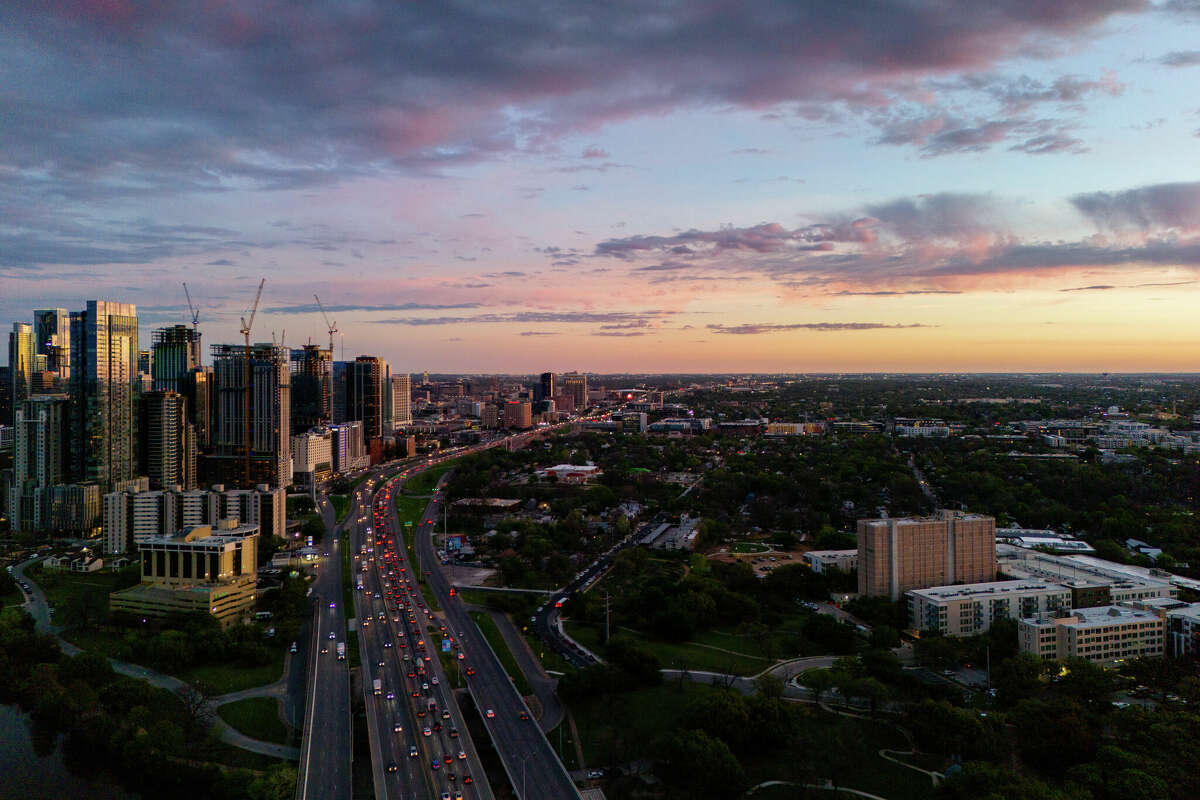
(787, 186)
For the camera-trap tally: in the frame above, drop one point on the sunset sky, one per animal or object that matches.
(793, 186)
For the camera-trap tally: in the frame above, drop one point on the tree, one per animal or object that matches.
(1018, 678)
(818, 681)
(770, 687)
(694, 764)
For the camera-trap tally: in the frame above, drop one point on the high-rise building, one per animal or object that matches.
(575, 385)
(6, 404)
(341, 370)
(349, 447)
(131, 516)
(104, 382)
(897, 555)
(270, 416)
(168, 441)
(39, 460)
(199, 390)
(518, 414)
(365, 380)
(52, 338)
(312, 456)
(544, 390)
(20, 363)
(176, 353)
(401, 400)
(312, 387)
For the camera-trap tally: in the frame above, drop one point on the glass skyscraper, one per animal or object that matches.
(104, 383)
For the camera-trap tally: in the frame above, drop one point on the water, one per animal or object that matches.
(32, 766)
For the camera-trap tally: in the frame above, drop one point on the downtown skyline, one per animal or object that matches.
(702, 187)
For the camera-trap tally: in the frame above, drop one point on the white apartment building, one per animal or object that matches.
(1105, 635)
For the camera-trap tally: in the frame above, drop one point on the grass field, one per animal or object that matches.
(257, 717)
(341, 504)
(551, 660)
(488, 627)
(425, 482)
(411, 509)
(225, 678)
(673, 655)
(749, 547)
(62, 588)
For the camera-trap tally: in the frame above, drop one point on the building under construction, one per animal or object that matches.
(270, 458)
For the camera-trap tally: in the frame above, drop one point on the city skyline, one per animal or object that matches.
(705, 188)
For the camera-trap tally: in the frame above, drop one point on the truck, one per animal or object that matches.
(378, 685)
(341, 651)
(359, 585)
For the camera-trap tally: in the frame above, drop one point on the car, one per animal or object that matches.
(412, 751)
(332, 635)
(391, 695)
(490, 714)
(397, 727)
(393, 766)
(461, 656)
(445, 713)
(293, 647)
(458, 796)
(434, 681)
(332, 604)
(426, 732)
(424, 687)
(435, 764)
(524, 715)
(445, 796)
(324, 649)
(453, 732)
(450, 776)
(470, 670)
(468, 779)
(595, 773)
(381, 665)
(447, 758)
(387, 645)
(462, 756)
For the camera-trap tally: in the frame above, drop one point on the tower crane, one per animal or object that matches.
(245, 330)
(195, 344)
(332, 326)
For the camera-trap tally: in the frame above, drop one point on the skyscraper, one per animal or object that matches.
(364, 394)
(341, 371)
(168, 441)
(270, 416)
(104, 380)
(544, 390)
(52, 338)
(312, 387)
(575, 385)
(21, 353)
(401, 400)
(176, 352)
(39, 459)
(201, 400)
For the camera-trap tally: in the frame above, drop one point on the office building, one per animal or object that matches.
(970, 609)
(6, 387)
(104, 384)
(168, 441)
(341, 376)
(52, 339)
(518, 415)
(401, 400)
(39, 460)
(365, 380)
(489, 416)
(575, 385)
(898, 555)
(176, 353)
(270, 425)
(1106, 635)
(202, 570)
(822, 561)
(544, 388)
(349, 447)
(20, 363)
(312, 387)
(200, 392)
(1092, 581)
(312, 457)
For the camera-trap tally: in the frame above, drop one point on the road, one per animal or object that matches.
(533, 767)
(326, 748)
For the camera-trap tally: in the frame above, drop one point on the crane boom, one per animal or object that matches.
(246, 326)
(245, 331)
(191, 307)
(331, 326)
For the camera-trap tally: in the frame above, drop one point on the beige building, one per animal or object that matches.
(821, 561)
(1106, 635)
(898, 555)
(970, 609)
(201, 570)
(518, 414)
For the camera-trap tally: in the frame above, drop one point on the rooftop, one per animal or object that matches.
(991, 588)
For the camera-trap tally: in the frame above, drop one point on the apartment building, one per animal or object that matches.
(896, 555)
(970, 609)
(1105, 635)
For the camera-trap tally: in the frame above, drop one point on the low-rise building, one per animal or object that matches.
(570, 473)
(1106, 635)
(204, 569)
(970, 609)
(1093, 581)
(821, 561)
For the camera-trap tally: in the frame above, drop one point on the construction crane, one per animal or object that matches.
(195, 311)
(332, 326)
(245, 330)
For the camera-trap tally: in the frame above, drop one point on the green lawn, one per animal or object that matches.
(550, 659)
(341, 504)
(488, 627)
(224, 678)
(412, 509)
(672, 655)
(564, 746)
(749, 547)
(257, 717)
(425, 482)
(450, 665)
(66, 589)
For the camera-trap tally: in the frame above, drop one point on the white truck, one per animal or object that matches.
(378, 685)
(341, 651)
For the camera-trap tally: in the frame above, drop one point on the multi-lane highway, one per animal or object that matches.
(326, 746)
(533, 767)
(420, 744)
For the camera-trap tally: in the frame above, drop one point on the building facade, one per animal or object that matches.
(312, 387)
(175, 353)
(270, 443)
(21, 353)
(896, 555)
(52, 339)
(39, 460)
(1106, 635)
(168, 440)
(401, 400)
(312, 457)
(365, 379)
(970, 609)
(575, 384)
(518, 415)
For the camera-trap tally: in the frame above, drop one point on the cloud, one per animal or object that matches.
(220, 262)
(1181, 58)
(535, 317)
(885, 293)
(539, 333)
(618, 333)
(1096, 288)
(312, 307)
(593, 151)
(1165, 205)
(754, 328)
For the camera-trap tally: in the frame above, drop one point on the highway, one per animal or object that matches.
(325, 757)
(533, 767)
